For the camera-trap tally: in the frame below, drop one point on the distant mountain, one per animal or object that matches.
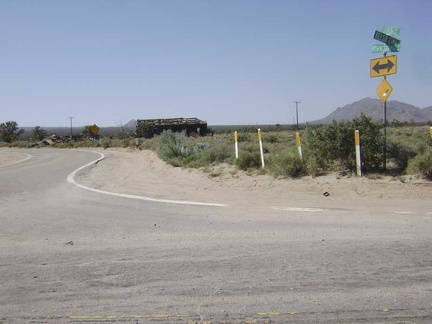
(396, 110)
(131, 124)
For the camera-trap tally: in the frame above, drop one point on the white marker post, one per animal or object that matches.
(358, 157)
(261, 148)
(299, 146)
(236, 144)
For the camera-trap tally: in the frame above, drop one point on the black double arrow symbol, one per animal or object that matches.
(378, 67)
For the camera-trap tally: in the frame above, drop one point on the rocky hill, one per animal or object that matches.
(396, 110)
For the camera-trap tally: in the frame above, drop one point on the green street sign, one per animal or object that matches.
(386, 39)
(392, 31)
(381, 48)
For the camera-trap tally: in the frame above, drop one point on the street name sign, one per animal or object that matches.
(382, 48)
(386, 39)
(384, 89)
(392, 31)
(383, 66)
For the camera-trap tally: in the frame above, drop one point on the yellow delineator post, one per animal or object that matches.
(357, 150)
(261, 148)
(236, 144)
(299, 145)
(431, 132)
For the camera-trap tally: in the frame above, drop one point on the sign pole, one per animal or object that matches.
(384, 129)
(378, 68)
(384, 133)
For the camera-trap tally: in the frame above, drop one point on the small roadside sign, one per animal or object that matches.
(384, 90)
(383, 66)
(392, 31)
(382, 48)
(386, 39)
(94, 129)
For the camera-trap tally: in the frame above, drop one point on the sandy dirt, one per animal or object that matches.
(143, 173)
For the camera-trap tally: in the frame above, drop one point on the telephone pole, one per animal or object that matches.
(71, 125)
(296, 103)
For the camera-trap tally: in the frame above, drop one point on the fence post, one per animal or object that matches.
(299, 146)
(261, 148)
(357, 150)
(236, 144)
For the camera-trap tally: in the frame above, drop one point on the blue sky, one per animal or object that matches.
(226, 62)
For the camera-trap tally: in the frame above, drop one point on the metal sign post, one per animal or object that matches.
(382, 67)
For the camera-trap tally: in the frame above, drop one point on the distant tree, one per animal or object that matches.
(9, 131)
(86, 131)
(39, 133)
(396, 123)
(124, 130)
(278, 127)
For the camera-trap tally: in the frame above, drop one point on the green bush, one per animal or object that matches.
(371, 142)
(173, 146)
(248, 160)
(313, 168)
(335, 142)
(106, 144)
(286, 164)
(220, 153)
(422, 164)
(399, 154)
(270, 138)
(244, 137)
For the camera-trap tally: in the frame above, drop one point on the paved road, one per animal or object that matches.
(68, 255)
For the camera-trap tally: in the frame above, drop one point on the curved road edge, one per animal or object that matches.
(28, 156)
(71, 179)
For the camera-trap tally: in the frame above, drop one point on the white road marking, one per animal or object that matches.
(28, 156)
(403, 212)
(71, 179)
(300, 209)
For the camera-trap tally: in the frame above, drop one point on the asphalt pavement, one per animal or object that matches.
(70, 255)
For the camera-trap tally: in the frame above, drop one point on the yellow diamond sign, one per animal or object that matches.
(384, 89)
(94, 129)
